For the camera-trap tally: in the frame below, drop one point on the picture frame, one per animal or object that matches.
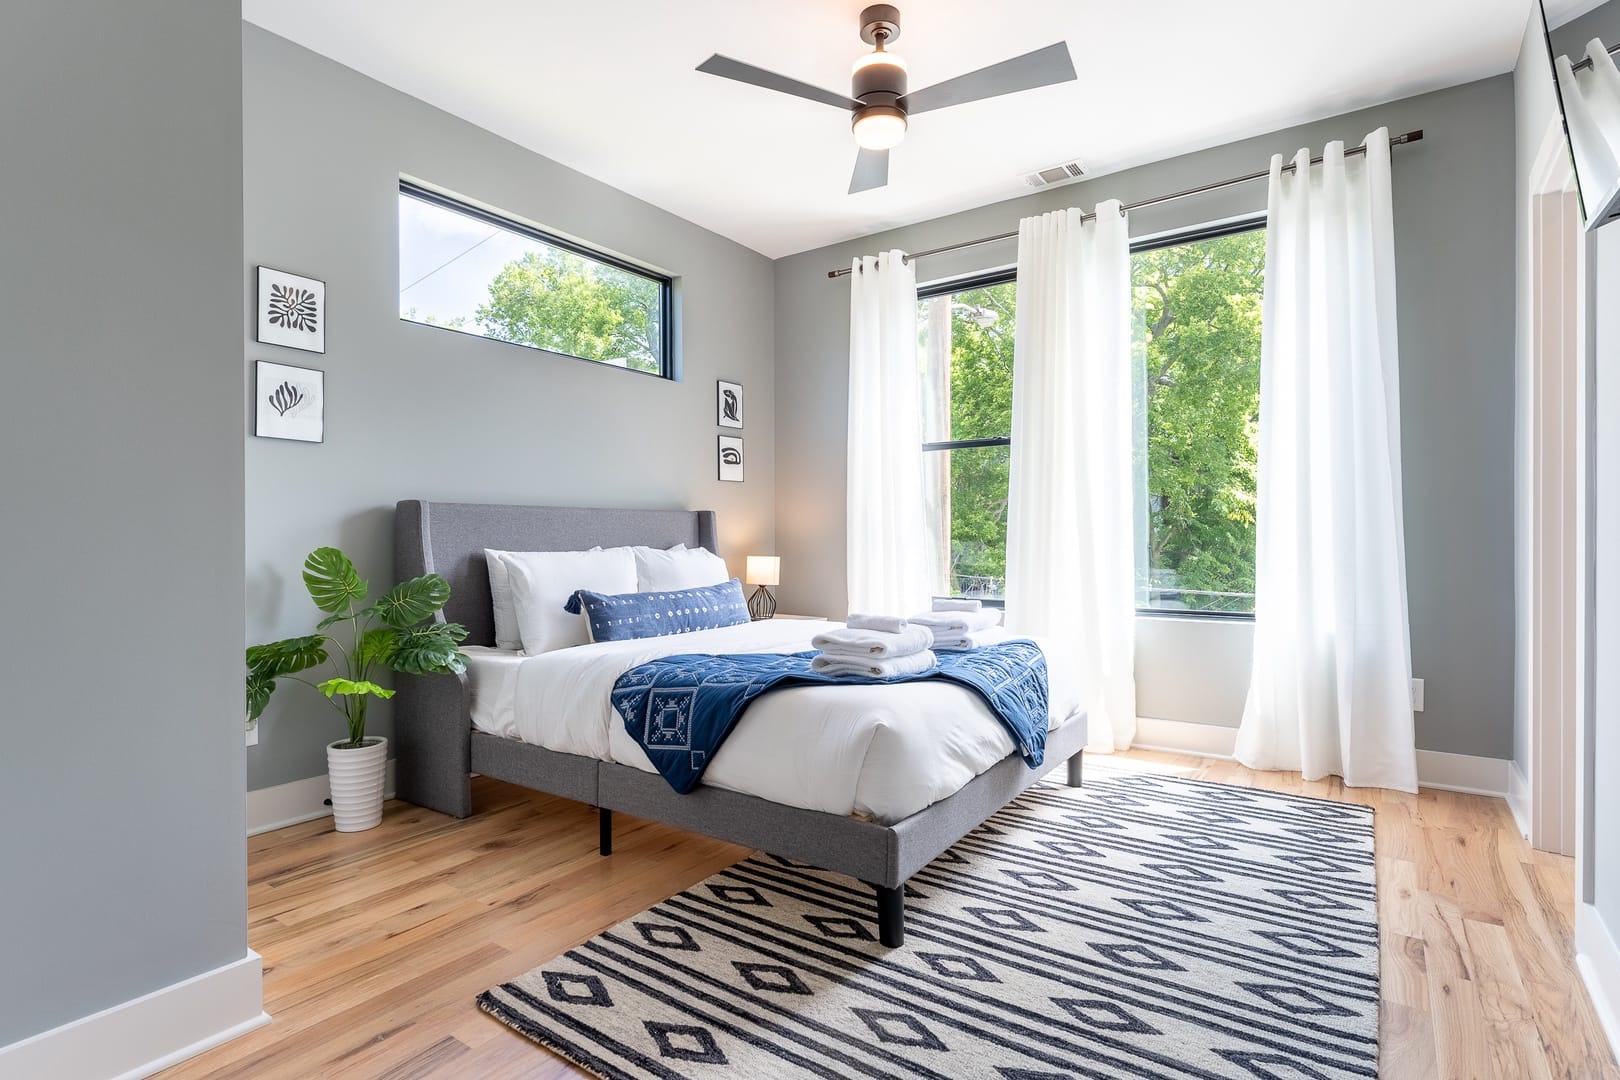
(291, 310)
(289, 402)
(728, 404)
(729, 455)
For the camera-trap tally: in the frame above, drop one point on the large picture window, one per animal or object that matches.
(1197, 311)
(463, 268)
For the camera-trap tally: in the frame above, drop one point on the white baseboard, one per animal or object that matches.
(1518, 798)
(1447, 772)
(296, 802)
(1464, 772)
(150, 1033)
(1183, 737)
(1599, 964)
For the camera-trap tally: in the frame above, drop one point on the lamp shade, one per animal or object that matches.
(764, 570)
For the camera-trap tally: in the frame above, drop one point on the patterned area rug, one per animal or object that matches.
(1138, 927)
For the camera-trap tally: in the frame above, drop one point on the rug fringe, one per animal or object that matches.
(491, 1005)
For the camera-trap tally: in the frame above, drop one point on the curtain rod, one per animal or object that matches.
(1586, 61)
(1394, 140)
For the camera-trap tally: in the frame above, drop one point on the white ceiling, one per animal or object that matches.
(608, 87)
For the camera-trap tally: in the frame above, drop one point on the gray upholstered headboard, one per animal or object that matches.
(449, 539)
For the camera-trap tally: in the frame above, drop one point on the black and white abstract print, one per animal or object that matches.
(1142, 926)
(728, 404)
(293, 307)
(290, 402)
(731, 458)
(292, 310)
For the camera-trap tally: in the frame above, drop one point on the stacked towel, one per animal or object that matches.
(974, 639)
(944, 604)
(850, 641)
(889, 624)
(955, 629)
(829, 663)
(874, 646)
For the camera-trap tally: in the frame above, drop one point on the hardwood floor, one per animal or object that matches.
(376, 943)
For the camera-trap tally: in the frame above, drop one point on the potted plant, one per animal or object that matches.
(396, 632)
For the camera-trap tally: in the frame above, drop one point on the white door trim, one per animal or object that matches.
(1553, 506)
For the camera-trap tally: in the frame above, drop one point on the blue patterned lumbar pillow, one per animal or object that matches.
(624, 616)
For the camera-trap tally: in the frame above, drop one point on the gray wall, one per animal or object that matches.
(1454, 247)
(121, 777)
(416, 412)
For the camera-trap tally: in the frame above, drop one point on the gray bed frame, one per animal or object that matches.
(438, 749)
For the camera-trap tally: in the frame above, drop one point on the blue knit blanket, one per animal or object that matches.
(682, 708)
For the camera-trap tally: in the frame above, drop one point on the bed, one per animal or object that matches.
(921, 785)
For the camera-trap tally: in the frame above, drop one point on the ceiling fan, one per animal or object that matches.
(878, 99)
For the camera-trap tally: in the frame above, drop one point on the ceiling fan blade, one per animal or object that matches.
(871, 171)
(1043, 67)
(727, 68)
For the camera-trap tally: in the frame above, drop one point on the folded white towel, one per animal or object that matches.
(976, 639)
(830, 664)
(942, 604)
(957, 622)
(889, 624)
(876, 644)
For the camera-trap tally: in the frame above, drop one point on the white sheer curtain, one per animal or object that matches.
(1592, 110)
(889, 549)
(1070, 559)
(1330, 689)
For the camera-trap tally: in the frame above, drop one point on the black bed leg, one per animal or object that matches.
(891, 905)
(1074, 768)
(604, 829)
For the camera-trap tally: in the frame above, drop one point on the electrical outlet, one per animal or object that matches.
(1417, 695)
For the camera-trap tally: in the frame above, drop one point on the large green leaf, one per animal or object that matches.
(377, 646)
(353, 688)
(410, 602)
(332, 580)
(286, 657)
(259, 689)
(430, 650)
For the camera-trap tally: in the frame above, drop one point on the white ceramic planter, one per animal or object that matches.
(357, 783)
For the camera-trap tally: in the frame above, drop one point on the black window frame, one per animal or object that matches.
(1000, 277)
(665, 283)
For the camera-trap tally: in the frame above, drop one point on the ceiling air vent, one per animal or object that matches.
(1057, 174)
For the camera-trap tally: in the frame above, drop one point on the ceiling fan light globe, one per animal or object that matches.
(879, 128)
(894, 60)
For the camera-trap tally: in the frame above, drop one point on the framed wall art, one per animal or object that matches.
(728, 404)
(731, 458)
(291, 310)
(289, 402)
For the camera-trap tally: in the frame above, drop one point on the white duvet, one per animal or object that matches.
(883, 751)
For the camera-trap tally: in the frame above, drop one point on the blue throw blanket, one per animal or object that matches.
(681, 708)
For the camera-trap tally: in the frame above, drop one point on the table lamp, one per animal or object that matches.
(764, 571)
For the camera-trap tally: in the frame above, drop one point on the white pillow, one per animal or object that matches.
(543, 581)
(680, 567)
(500, 595)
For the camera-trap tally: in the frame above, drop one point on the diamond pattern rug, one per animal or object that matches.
(1140, 926)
